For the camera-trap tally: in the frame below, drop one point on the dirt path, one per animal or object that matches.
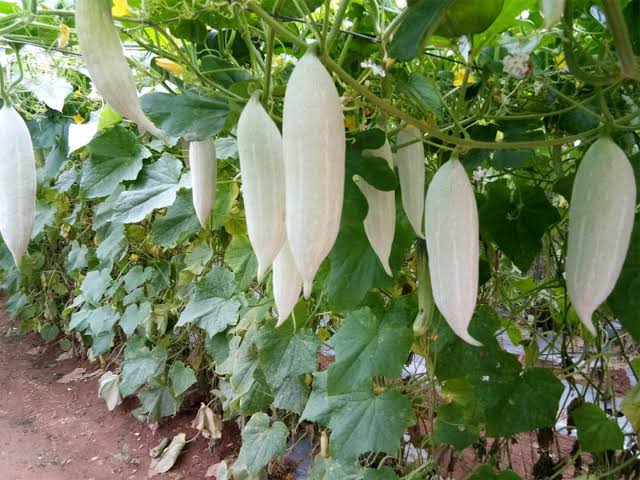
(55, 431)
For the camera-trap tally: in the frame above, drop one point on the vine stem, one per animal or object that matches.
(276, 25)
(437, 134)
(618, 27)
(335, 28)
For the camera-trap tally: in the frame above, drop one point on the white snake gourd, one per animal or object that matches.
(314, 156)
(18, 174)
(287, 283)
(552, 11)
(380, 222)
(601, 216)
(411, 171)
(453, 245)
(204, 171)
(262, 169)
(104, 57)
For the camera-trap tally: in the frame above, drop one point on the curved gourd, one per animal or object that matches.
(204, 171)
(18, 175)
(104, 57)
(287, 283)
(453, 245)
(314, 156)
(411, 171)
(262, 169)
(380, 222)
(602, 212)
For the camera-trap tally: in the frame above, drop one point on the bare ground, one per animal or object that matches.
(55, 431)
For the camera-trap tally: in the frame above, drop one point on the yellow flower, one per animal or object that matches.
(133, 257)
(458, 77)
(77, 118)
(350, 122)
(63, 41)
(561, 62)
(120, 8)
(169, 66)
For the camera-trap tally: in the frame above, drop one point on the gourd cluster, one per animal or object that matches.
(293, 185)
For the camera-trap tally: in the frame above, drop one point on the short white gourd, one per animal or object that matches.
(453, 245)
(18, 191)
(380, 222)
(263, 190)
(314, 144)
(287, 283)
(104, 57)
(601, 216)
(204, 172)
(411, 172)
(552, 11)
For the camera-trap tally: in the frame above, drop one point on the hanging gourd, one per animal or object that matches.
(453, 245)
(314, 156)
(18, 174)
(204, 171)
(263, 190)
(104, 57)
(411, 171)
(601, 216)
(380, 222)
(552, 11)
(287, 283)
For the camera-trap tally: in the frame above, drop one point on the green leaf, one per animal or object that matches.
(133, 316)
(523, 404)
(242, 261)
(503, 159)
(140, 365)
(179, 223)
(45, 217)
(596, 431)
(367, 346)
(243, 362)
(49, 332)
(193, 117)
(624, 300)
(284, 352)
(226, 195)
(289, 8)
(487, 472)
(95, 285)
(455, 358)
(331, 469)
(112, 243)
(182, 377)
(261, 443)
(631, 406)
(360, 420)
(455, 427)
(419, 21)
(197, 259)
(517, 225)
(424, 93)
(156, 188)
(115, 156)
(212, 307)
(135, 277)
(77, 257)
(104, 211)
(292, 394)
(156, 403)
(223, 72)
